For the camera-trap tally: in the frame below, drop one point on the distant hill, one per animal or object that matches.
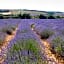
(33, 13)
(36, 12)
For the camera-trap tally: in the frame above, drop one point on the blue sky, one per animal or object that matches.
(42, 5)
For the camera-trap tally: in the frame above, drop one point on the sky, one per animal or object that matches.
(41, 5)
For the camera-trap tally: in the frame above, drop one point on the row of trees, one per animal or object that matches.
(28, 16)
(19, 16)
(49, 17)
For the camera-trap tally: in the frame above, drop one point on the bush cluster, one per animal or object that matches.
(58, 46)
(28, 16)
(45, 34)
(26, 52)
(9, 30)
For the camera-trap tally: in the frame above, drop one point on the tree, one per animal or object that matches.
(58, 17)
(1, 16)
(51, 17)
(19, 16)
(42, 16)
(26, 16)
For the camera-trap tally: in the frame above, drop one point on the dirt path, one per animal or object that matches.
(8, 38)
(51, 58)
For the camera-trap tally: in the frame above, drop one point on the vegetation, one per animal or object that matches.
(1, 42)
(14, 16)
(26, 16)
(2, 39)
(51, 17)
(1, 16)
(58, 46)
(29, 45)
(62, 32)
(22, 16)
(32, 25)
(25, 52)
(58, 17)
(9, 30)
(24, 31)
(42, 17)
(45, 34)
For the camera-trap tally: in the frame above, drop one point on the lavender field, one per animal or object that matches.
(31, 41)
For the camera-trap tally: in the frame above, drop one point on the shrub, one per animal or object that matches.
(45, 34)
(9, 29)
(26, 16)
(32, 46)
(29, 46)
(42, 16)
(15, 16)
(32, 25)
(58, 17)
(51, 17)
(9, 32)
(1, 17)
(58, 45)
(19, 16)
(13, 27)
